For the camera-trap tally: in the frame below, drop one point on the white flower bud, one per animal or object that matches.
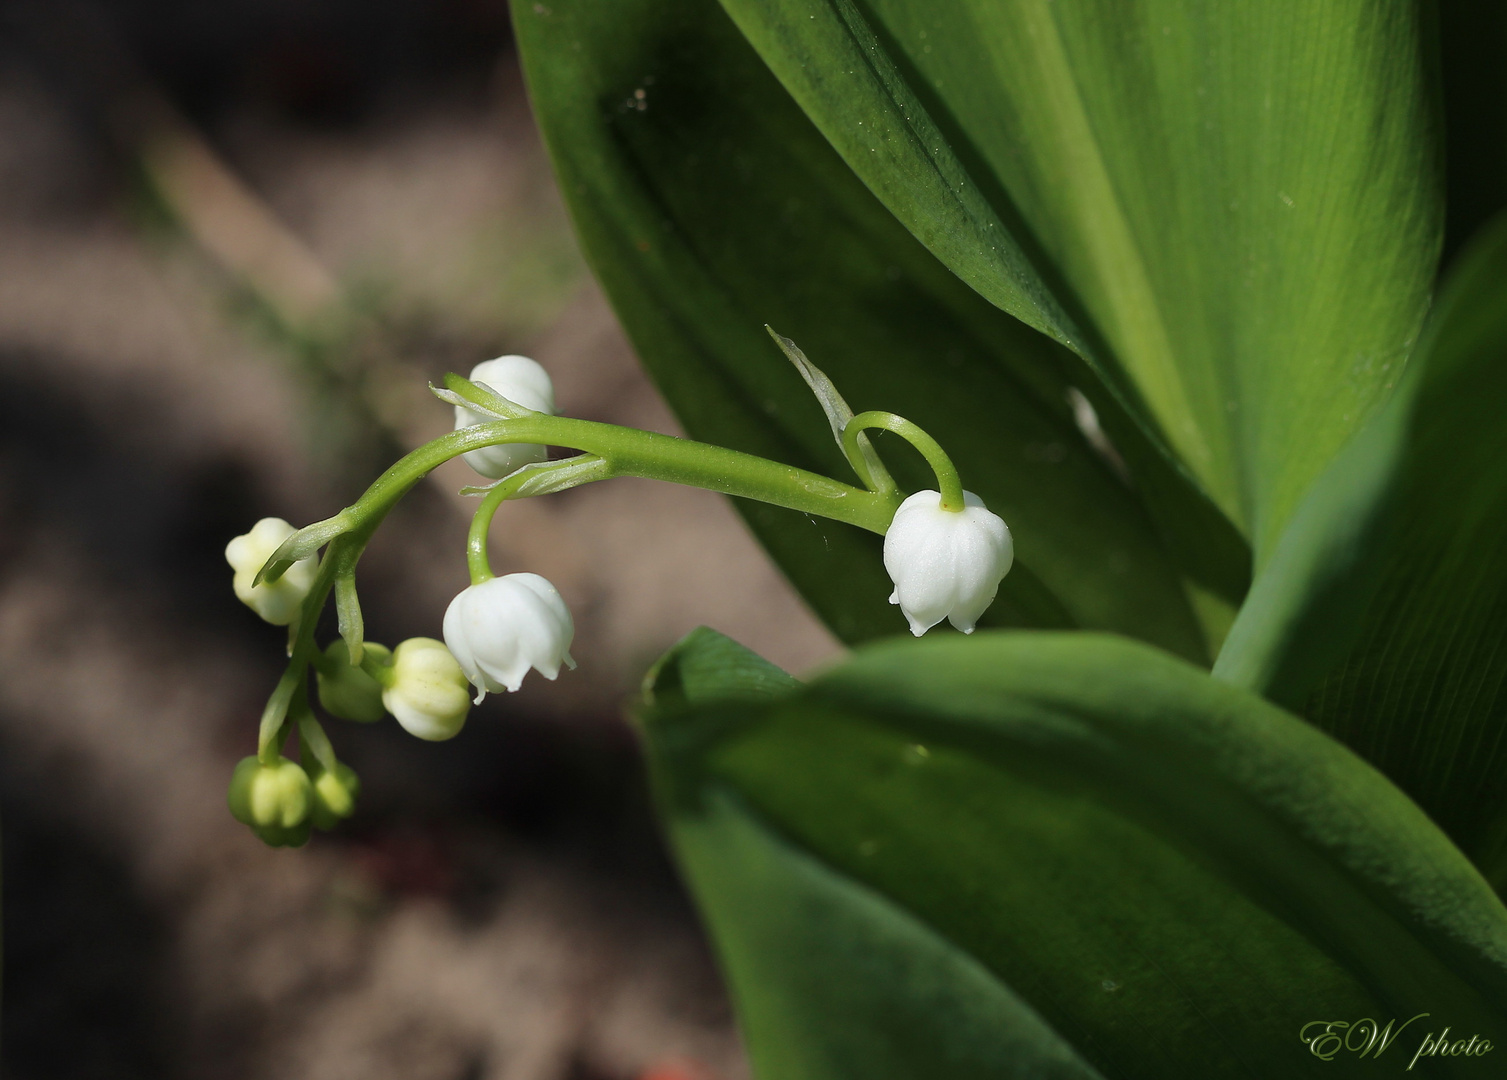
(426, 690)
(332, 795)
(946, 564)
(278, 601)
(502, 627)
(523, 382)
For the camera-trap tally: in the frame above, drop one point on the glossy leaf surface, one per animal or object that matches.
(709, 206)
(1048, 854)
(1190, 194)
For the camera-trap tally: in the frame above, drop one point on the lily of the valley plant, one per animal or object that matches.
(946, 552)
(1208, 301)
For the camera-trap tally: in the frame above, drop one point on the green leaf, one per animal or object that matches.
(709, 206)
(840, 929)
(1236, 203)
(1389, 592)
(1044, 854)
(1308, 605)
(874, 992)
(706, 666)
(1423, 694)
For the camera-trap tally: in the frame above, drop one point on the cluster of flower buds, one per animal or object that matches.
(944, 551)
(495, 631)
(281, 801)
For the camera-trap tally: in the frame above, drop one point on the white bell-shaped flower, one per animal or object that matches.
(946, 564)
(426, 690)
(278, 601)
(523, 382)
(504, 626)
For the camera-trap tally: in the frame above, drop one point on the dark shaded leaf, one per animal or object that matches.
(1473, 95)
(994, 849)
(1423, 694)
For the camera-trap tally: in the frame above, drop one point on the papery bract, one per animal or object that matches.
(946, 564)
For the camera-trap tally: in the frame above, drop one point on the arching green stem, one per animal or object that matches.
(625, 452)
(540, 478)
(476, 540)
(630, 452)
(948, 482)
(606, 451)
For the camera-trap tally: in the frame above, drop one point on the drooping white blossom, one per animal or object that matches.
(523, 382)
(946, 564)
(426, 690)
(277, 601)
(506, 625)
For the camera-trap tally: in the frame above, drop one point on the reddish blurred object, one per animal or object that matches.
(677, 1070)
(408, 862)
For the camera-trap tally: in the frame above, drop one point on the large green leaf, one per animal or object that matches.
(1391, 584)
(1049, 854)
(1307, 606)
(1238, 200)
(709, 206)
(1424, 693)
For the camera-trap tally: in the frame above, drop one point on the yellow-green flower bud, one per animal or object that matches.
(277, 836)
(276, 796)
(334, 795)
(429, 693)
(278, 601)
(347, 691)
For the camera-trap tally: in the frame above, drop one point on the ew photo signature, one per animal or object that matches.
(1326, 1039)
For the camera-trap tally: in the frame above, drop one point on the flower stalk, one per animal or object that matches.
(949, 483)
(607, 451)
(500, 628)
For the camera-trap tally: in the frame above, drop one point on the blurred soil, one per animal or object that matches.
(501, 907)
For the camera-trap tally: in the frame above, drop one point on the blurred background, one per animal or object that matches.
(236, 239)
